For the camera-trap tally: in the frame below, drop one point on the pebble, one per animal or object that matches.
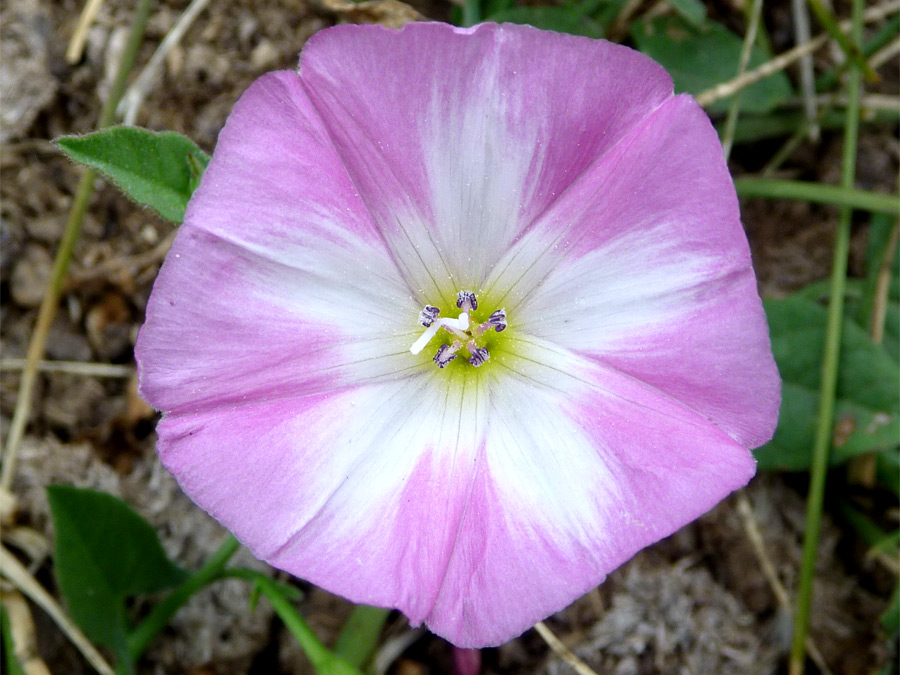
(30, 276)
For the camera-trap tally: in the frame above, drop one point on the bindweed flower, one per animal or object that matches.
(460, 320)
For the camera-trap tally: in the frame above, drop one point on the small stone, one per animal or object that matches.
(108, 326)
(47, 230)
(27, 85)
(30, 276)
(263, 56)
(65, 343)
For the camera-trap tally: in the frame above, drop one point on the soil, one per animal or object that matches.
(694, 603)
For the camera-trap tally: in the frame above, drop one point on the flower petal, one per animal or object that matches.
(359, 491)
(582, 467)
(402, 495)
(458, 138)
(643, 264)
(278, 284)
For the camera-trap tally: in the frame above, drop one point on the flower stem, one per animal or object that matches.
(471, 12)
(360, 634)
(755, 13)
(141, 637)
(830, 365)
(845, 196)
(324, 662)
(50, 301)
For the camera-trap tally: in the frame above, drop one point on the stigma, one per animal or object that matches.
(464, 334)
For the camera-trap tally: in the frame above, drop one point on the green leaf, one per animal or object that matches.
(159, 170)
(494, 6)
(11, 662)
(607, 11)
(559, 19)
(104, 553)
(700, 58)
(692, 11)
(888, 544)
(866, 412)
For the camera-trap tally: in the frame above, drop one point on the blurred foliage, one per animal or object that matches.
(868, 398)
(700, 57)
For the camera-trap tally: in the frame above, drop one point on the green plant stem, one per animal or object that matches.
(844, 196)
(850, 45)
(755, 13)
(324, 662)
(825, 425)
(50, 301)
(150, 627)
(471, 12)
(784, 123)
(360, 634)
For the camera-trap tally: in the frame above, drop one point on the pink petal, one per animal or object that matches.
(582, 467)
(277, 284)
(359, 491)
(479, 509)
(644, 265)
(458, 138)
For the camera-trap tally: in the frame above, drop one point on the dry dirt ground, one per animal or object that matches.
(695, 603)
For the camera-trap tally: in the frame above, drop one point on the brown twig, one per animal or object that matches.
(24, 639)
(112, 370)
(751, 528)
(619, 26)
(16, 573)
(79, 35)
(110, 268)
(562, 651)
(782, 61)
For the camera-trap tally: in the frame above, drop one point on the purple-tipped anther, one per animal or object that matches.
(479, 356)
(428, 315)
(497, 320)
(466, 301)
(445, 355)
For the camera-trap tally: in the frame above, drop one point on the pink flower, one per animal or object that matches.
(570, 232)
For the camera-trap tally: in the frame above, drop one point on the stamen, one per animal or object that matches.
(428, 315)
(446, 354)
(462, 330)
(466, 301)
(479, 355)
(498, 320)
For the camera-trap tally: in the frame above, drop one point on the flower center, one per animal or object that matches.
(462, 334)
